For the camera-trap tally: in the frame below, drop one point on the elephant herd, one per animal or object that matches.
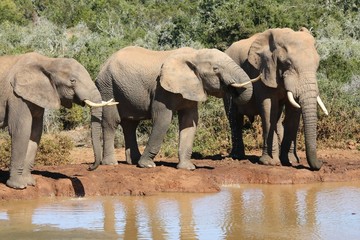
(267, 74)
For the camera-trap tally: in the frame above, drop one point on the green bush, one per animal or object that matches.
(171, 141)
(74, 117)
(5, 150)
(53, 150)
(213, 133)
(343, 122)
(340, 68)
(10, 11)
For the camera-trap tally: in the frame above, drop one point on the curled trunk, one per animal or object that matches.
(236, 75)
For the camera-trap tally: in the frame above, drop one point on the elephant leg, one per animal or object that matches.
(132, 153)
(35, 136)
(269, 118)
(280, 131)
(161, 122)
(19, 130)
(238, 147)
(279, 134)
(288, 154)
(110, 123)
(188, 120)
(236, 121)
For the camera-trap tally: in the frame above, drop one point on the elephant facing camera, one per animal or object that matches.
(287, 61)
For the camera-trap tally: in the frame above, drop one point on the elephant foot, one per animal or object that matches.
(16, 182)
(146, 163)
(109, 161)
(29, 180)
(289, 159)
(237, 155)
(132, 160)
(267, 160)
(188, 165)
(293, 159)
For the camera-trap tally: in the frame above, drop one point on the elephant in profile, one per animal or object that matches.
(155, 84)
(30, 83)
(288, 62)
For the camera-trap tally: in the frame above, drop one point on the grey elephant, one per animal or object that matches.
(288, 62)
(155, 84)
(30, 83)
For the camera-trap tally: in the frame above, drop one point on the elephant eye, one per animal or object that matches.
(288, 62)
(216, 69)
(73, 81)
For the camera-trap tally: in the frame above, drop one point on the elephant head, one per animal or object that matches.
(288, 59)
(62, 81)
(196, 74)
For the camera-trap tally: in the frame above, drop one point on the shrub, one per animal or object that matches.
(52, 121)
(53, 150)
(9, 11)
(5, 150)
(171, 141)
(343, 122)
(213, 133)
(74, 117)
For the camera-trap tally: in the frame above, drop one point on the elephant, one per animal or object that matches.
(30, 83)
(153, 85)
(288, 62)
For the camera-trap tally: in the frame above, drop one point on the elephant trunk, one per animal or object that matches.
(308, 104)
(96, 119)
(237, 76)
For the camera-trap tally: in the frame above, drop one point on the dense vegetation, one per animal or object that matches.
(90, 30)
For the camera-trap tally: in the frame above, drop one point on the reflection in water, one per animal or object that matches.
(317, 211)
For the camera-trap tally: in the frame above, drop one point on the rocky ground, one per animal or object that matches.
(75, 180)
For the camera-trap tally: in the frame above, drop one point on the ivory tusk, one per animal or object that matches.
(292, 100)
(256, 79)
(240, 85)
(322, 106)
(102, 104)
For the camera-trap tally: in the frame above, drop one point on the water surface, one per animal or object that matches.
(311, 211)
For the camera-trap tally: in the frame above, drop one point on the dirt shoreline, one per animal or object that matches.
(74, 180)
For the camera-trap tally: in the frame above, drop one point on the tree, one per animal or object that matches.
(10, 12)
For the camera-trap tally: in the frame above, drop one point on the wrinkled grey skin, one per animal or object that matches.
(288, 61)
(30, 83)
(155, 84)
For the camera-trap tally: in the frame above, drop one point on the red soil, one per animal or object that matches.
(75, 180)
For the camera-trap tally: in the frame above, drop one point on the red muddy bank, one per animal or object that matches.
(74, 180)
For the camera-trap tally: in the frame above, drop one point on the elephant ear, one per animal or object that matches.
(178, 75)
(264, 52)
(33, 84)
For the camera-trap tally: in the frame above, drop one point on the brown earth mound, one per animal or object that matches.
(75, 180)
